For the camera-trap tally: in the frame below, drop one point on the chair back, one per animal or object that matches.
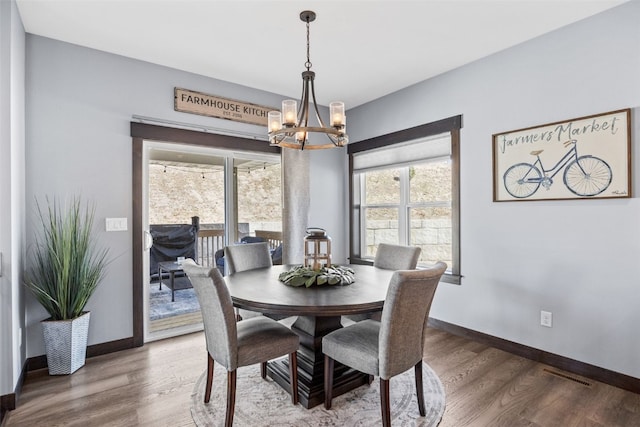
(247, 256)
(396, 257)
(218, 316)
(404, 318)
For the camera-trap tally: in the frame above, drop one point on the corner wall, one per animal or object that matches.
(12, 164)
(578, 259)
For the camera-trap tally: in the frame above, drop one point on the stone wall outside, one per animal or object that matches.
(433, 236)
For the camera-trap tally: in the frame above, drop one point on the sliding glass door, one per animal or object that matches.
(199, 200)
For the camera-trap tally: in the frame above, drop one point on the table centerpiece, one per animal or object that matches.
(309, 276)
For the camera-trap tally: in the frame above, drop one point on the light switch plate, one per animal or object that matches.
(546, 319)
(116, 224)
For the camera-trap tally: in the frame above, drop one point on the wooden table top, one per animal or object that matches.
(260, 290)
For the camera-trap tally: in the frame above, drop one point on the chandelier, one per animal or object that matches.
(290, 128)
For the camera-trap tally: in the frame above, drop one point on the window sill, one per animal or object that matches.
(447, 277)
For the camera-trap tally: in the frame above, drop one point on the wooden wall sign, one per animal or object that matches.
(583, 158)
(189, 101)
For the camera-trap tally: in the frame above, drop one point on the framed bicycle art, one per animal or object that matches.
(583, 158)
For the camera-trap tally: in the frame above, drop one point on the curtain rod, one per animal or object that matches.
(200, 128)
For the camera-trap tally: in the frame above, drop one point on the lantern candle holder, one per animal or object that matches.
(317, 249)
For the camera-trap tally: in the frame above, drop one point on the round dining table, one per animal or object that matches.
(318, 311)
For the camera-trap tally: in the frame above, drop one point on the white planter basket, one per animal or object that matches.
(66, 344)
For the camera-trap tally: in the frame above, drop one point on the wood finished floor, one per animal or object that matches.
(175, 321)
(151, 386)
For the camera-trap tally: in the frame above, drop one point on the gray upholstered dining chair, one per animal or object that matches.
(235, 344)
(389, 257)
(243, 257)
(392, 345)
(247, 256)
(396, 257)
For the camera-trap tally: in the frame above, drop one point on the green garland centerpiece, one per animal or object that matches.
(308, 276)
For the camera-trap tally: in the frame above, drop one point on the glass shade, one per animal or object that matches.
(275, 121)
(289, 112)
(336, 112)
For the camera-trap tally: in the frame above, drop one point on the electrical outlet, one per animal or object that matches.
(546, 318)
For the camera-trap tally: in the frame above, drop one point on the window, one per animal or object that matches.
(405, 190)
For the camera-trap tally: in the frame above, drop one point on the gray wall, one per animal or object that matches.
(79, 105)
(12, 163)
(579, 259)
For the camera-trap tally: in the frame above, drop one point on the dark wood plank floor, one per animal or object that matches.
(151, 386)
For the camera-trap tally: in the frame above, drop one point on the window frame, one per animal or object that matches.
(451, 125)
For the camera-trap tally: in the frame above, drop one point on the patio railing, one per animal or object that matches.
(273, 237)
(208, 243)
(212, 240)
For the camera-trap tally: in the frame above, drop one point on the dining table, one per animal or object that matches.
(318, 310)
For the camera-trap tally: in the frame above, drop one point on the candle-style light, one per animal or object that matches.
(275, 121)
(291, 128)
(336, 112)
(289, 112)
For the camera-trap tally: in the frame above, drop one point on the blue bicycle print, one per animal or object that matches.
(584, 176)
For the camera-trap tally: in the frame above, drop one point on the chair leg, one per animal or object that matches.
(231, 397)
(263, 370)
(293, 376)
(419, 388)
(328, 381)
(384, 403)
(207, 389)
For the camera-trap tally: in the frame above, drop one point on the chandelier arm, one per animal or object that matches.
(303, 119)
(303, 97)
(307, 79)
(333, 139)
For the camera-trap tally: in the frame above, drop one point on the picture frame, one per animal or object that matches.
(583, 158)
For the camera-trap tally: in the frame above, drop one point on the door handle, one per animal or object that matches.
(148, 240)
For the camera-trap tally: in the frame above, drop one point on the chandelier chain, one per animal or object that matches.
(308, 63)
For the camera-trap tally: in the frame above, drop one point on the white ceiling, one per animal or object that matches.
(360, 50)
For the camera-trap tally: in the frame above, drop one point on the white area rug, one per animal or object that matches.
(263, 403)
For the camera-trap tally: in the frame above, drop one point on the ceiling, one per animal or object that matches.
(360, 50)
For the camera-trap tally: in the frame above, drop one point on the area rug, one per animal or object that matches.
(161, 306)
(263, 403)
